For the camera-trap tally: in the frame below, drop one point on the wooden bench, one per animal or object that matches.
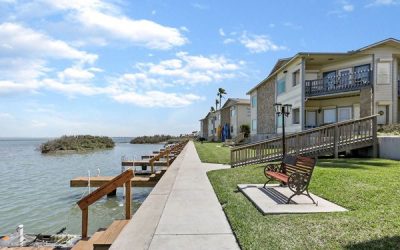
(293, 171)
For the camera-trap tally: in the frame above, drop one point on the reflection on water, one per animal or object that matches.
(34, 188)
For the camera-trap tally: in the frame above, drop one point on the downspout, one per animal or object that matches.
(303, 100)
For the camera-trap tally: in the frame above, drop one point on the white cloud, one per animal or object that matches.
(157, 99)
(17, 40)
(221, 32)
(106, 19)
(382, 3)
(229, 40)
(5, 115)
(200, 6)
(259, 43)
(348, 7)
(292, 25)
(188, 69)
(77, 73)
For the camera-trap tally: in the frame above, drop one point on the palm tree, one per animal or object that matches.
(220, 94)
(216, 104)
(212, 109)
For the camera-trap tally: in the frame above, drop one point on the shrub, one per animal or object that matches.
(77, 143)
(393, 129)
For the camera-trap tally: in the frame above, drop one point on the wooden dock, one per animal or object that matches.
(144, 163)
(97, 181)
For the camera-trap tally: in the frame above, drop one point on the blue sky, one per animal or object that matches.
(127, 68)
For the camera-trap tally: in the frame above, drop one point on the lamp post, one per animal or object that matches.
(283, 110)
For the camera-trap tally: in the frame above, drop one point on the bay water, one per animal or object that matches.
(35, 191)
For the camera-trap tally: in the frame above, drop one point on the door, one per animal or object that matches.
(311, 119)
(383, 117)
(344, 77)
(344, 114)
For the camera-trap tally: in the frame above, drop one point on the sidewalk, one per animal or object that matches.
(182, 211)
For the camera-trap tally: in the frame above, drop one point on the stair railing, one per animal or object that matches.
(329, 139)
(118, 181)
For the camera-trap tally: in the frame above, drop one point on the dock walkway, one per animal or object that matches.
(182, 211)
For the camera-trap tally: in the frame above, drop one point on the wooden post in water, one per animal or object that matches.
(85, 219)
(128, 200)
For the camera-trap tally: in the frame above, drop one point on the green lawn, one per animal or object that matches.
(369, 188)
(213, 152)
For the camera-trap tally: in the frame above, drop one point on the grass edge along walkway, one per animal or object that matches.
(367, 187)
(213, 152)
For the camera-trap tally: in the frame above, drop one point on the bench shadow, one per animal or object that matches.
(359, 164)
(382, 243)
(276, 196)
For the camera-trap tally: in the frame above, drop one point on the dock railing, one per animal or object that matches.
(330, 139)
(175, 149)
(120, 180)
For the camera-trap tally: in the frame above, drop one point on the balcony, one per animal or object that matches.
(338, 84)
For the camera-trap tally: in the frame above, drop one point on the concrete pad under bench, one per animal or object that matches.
(272, 200)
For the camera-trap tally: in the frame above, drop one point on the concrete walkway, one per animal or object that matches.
(182, 211)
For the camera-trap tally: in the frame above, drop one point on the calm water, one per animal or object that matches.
(34, 188)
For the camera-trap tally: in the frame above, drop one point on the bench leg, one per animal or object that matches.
(267, 182)
(307, 194)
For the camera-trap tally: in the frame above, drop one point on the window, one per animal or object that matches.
(329, 116)
(231, 129)
(278, 121)
(344, 114)
(254, 124)
(232, 111)
(311, 119)
(296, 116)
(296, 78)
(281, 84)
(253, 101)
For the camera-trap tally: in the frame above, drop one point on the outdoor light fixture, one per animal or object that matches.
(283, 110)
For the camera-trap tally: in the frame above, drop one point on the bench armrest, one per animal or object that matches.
(298, 182)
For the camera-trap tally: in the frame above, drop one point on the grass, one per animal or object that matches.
(213, 152)
(367, 187)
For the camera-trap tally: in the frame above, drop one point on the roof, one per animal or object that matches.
(208, 114)
(282, 63)
(235, 101)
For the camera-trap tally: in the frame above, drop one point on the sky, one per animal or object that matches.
(130, 68)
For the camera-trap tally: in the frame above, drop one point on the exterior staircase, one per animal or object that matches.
(102, 239)
(321, 141)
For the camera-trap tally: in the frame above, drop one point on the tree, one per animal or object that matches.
(212, 109)
(220, 94)
(216, 104)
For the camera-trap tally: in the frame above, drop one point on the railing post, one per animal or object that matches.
(128, 199)
(152, 166)
(374, 137)
(297, 144)
(336, 138)
(85, 218)
(167, 157)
